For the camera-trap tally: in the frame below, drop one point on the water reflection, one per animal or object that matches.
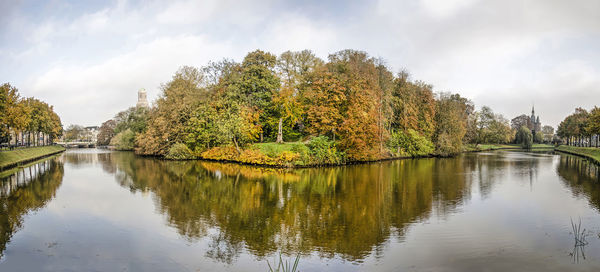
(347, 211)
(24, 190)
(498, 210)
(582, 177)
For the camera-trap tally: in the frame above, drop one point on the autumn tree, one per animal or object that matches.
(74, 133)
(593, 124)
(452, 111)
(360, 131)
(27, 119)
(166, 121)
(293, 68)
(414, 106)
(106, 132)
(4, 129)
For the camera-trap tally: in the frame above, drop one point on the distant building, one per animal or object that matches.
(142, 99)
(90, 134)
(534, 122)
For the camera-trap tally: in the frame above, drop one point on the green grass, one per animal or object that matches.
(543, 146)
(588, 152)
(485, 147)
(25, 154)
(275, 149)
(13, 170)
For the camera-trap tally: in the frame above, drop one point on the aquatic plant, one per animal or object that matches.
(284, 266)
(578, 234)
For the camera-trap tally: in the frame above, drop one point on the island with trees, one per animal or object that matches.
(297, 110)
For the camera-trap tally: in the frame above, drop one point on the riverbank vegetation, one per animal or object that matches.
(581, 128)
(588, 152)
(23, 155)
(26, 121)
(297, 109)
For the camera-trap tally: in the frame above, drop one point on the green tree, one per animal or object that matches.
(258, 83)
(452, 113)
(134, 118)
(525, 137)
(124, 140)
(410, 144)
(539, 137)
(166, 123)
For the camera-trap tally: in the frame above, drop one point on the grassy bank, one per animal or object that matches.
(16, 157)
(588, 152)
(314, 153)
(317, 152)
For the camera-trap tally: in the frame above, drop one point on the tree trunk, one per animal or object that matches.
(333, 132)
(237, 147)
(280, 132)
(261, 136)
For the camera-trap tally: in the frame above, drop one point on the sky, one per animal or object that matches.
(89, 58)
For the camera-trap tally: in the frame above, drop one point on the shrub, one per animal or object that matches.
(288, 158)
(124, 140)
(254, 156)
(304, 154)
(410, 143)
(220, 153)
(323, 151)
(179, 151)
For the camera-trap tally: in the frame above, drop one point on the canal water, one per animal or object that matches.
(94, 210)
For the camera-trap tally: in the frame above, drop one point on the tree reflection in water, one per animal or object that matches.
(347, 211)
(24, 190)
(582, 177)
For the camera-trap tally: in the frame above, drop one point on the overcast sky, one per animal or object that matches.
(89, 60)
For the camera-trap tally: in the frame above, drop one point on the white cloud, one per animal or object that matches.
(187, 12)
(445, 8)
(90, 94)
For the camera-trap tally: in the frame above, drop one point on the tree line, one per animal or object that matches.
(26, 121)
(351, 105)
(581, 128)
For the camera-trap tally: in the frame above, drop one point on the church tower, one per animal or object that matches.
(536, 126)
(142, 99)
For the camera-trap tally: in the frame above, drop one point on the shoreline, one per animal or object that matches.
(580, 152)
(26, 155)
(280, 166)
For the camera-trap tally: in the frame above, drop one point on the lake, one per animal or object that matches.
(96, 210)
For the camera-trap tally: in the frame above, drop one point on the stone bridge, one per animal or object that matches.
(77, 144)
